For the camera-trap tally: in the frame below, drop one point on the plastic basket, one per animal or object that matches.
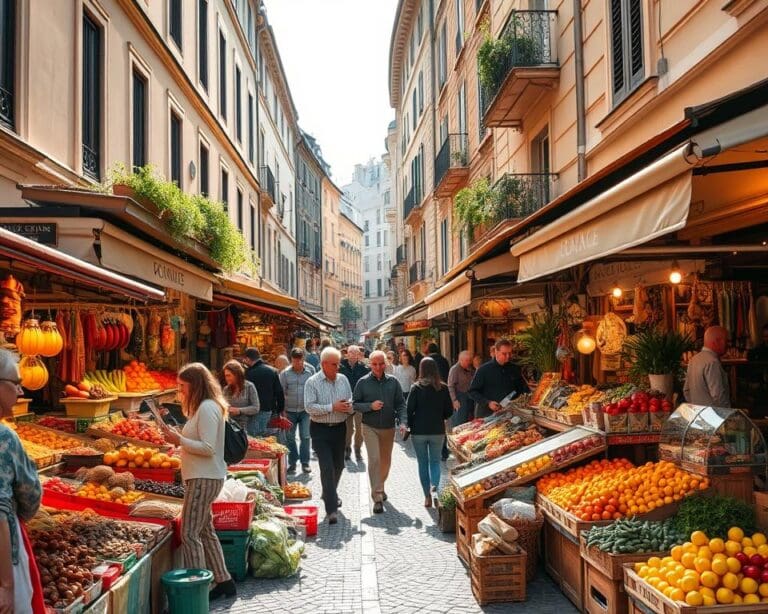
(87, 408)
(306, 515)
(228, 516)
(235, 546)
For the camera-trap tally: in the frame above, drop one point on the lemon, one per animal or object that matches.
(689, 547)
(689, 560)
(724, 595)
(732, 547)
(691, 583)
(736, 534)
(707, 592)
(694, 598)
(677, 553)
(719, 557)
(709, 600)
(676, 594)
(716, 545)
(704, 552)
(702, 564)
(748, 585)
(643, 571)
(699, 538)
(750, 599)
(730, 580)
(759, 539)
(733, 565)
(709, 579)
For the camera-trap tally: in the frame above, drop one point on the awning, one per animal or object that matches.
(316, 321)
(252, 305)
(249, 289)
(53, 261)
(455, 294)
(384, 326)
(630, 213)
(503, 264)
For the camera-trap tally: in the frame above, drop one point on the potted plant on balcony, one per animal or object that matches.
(473, 206)
(513, 48)
(460, 157)
(657, 355)
(513, 197)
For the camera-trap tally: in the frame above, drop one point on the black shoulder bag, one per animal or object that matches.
(235, 442)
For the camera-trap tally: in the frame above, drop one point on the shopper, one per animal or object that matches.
(271, 396)
(281, 363)
(705, 381)
(328, 401)
(241, 395)
(405, 372)
(391, 363)
(459, 379)
(495, 380)
(20, 495)
(293, 379)
(443, 366)
(477, 361)
(353, 369)
(378, 398)
(203, 471)
(312, 357)
(429, 406)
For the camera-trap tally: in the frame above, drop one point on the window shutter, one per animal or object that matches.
(636, 40)
(617, 47)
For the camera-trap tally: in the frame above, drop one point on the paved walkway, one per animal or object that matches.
(396, 562)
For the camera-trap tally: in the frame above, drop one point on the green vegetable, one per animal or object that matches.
(714, 515)
(447, 499)
(631, 536)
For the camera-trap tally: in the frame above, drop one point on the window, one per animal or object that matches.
(251, 131)
(240, 211)
(365, 225)
(368, 313)
(262, 154)
(378, 287)
(253, 228)
(367, 288)
(381, 311)
(385, 238)
(462, 108)
(415, 110)
(224, 188)
(238, 106)
(378, 238)
(445, 246)
(222, 75)
(378, 262)
(202, 43)
(459, 25)
(626, 47)
(7, 60)
(139, 154)
(378, 217)
(442, 69)
(176, 149)
(366, 264)
(91, 112)
(204, 170)
(174, 21)
(421, 92)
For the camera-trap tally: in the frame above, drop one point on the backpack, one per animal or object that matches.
(235, 442)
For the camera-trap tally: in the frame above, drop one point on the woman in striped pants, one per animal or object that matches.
(203, 471)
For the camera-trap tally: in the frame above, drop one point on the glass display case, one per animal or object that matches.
(712, 440)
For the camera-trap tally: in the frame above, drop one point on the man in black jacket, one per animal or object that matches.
(267, 382)
(496, 379)
(353, 369)
(443, 366)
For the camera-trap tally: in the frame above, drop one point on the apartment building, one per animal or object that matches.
(351, 262)
(369, 193)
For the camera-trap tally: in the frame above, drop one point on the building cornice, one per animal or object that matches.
(406, 10)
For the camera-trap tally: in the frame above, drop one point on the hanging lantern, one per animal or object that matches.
(585, 343)
(52, 342)
(29, 341)
(33, 373)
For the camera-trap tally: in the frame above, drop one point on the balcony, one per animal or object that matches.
(400, 255)
(269, 188)
(411, 202)
(513, 197)
(416, 272)
(519, 69)
(451, 165)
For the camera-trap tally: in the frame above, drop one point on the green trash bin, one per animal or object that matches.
(187, 590)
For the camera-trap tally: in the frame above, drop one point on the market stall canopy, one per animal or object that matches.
(503, 264)
(455, 294)
(50, 260)
(249, 289)
(317, 322)
(385, 325)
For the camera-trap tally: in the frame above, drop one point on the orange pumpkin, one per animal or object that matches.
(30, 338)
(33, 373)
(52, 343)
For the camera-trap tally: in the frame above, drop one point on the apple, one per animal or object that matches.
(757, 560)
(764, 576)
(742, 558)
(750, 571)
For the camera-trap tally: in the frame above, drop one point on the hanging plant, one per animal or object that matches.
(473, 206)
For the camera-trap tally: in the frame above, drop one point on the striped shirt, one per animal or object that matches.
(320, 394)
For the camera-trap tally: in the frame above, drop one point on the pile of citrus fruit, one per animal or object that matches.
(131, 457)
(612, 489)
(708, 572)
(99, 492)
(534, 466)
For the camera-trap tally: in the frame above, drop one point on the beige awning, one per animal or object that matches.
(385, 325)
(455, 294)
(503, 264)
(651, 203)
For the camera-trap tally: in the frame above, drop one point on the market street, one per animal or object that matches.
(397, 562)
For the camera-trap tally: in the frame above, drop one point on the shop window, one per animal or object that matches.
(626, 47)
(443, 57)
(204, 170)
(238, 106)
(139, 153)
(222, 76)
(7, 61)
(92, 104)
(202, 43)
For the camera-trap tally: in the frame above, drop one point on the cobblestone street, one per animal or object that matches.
(396, 562)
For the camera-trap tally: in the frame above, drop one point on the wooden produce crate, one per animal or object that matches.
(563, 562)
(497, 578)
(21, 407)
(603, 595)
(140, 443)
(87, 408)
(648, 599)
(609, 564)
(466, 526)
(461, 455)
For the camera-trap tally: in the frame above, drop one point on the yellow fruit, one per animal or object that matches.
(699, 538)
(730, 580)
(724, 595)
(748, 585)
(732, 547)
(747, 541)
(763, 589)
(654, 561)
(707, 592)
(763, 550)
(676, 594)
(637, 568)
(736, 534)
(705, 552)
(653, 581)
(689, 547)
(677, 553)
(694, 598)
(689, 560)
(720, 556)
(733, 565)
(689, 583)
(643, 571)
(709, 579)
(708, 600)
(750, 599)
(716, 545)
(737, 599)
(759, 539)
(662, 585)
(702, 564)
(749, 550)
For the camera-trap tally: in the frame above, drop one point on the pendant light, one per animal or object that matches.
(675, 275)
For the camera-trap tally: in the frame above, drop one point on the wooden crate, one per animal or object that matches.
(740, 486)
(602, 595)
(497, 578)
(563, 562)
(635, 608)
(650, 600)
(466, 526)
(609, 564)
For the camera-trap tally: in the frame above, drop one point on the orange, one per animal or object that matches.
(689, 583)
(732, 547)
(763, 589)
(677, 552)
(724, 595)
(676, 594)
(721, 567)
(689, 560)
(730, 580)
(748, 585)
(716, 545)
(751, 599)
(694, 598)
(702, 564)
(735, 534)
(699, 538)
(709, 579)
(747, 541)
(759, 539)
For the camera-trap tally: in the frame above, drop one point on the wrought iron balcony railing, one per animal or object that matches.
(268, 183)
(416, 272)
(400, 256)
(453, 154)
(6, 107)
(410, 202)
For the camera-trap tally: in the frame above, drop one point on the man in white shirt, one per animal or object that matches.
(328, 401)
(705, 381)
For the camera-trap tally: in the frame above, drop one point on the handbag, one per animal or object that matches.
(235, 442)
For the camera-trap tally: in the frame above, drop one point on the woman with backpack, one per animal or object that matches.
(203, 471)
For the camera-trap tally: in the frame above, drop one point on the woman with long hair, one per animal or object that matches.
(405, 372)
(429, 406)
(241, 395)
(203, 471)
(389, 369)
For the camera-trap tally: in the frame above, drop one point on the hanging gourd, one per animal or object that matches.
(52, 342)
(29, 341)
(33, 373)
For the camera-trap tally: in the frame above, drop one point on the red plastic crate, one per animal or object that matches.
(157, 474)
(228, 516)
(251, 464)
(306, 515)
(62, 501)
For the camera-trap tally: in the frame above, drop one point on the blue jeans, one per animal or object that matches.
(428, 449)
(300, 421)
(257, 425)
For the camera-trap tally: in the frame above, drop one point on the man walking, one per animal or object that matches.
(353, 369)
(267, 382)
(443, 366)
(705, 380)
(378, 398)
(328, 401)
(496, 379)
(459, 379)
(293, 379)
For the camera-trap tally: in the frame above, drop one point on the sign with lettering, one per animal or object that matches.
(45, 233)
(415, 325)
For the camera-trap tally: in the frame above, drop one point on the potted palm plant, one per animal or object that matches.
(658, 355)
(539, 343)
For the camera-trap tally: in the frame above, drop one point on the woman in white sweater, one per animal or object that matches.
(203, 471)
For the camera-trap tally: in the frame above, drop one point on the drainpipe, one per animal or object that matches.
(261, 20)
(581, 120)
(434, 124)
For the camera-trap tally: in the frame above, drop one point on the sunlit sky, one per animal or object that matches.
(336, 54)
